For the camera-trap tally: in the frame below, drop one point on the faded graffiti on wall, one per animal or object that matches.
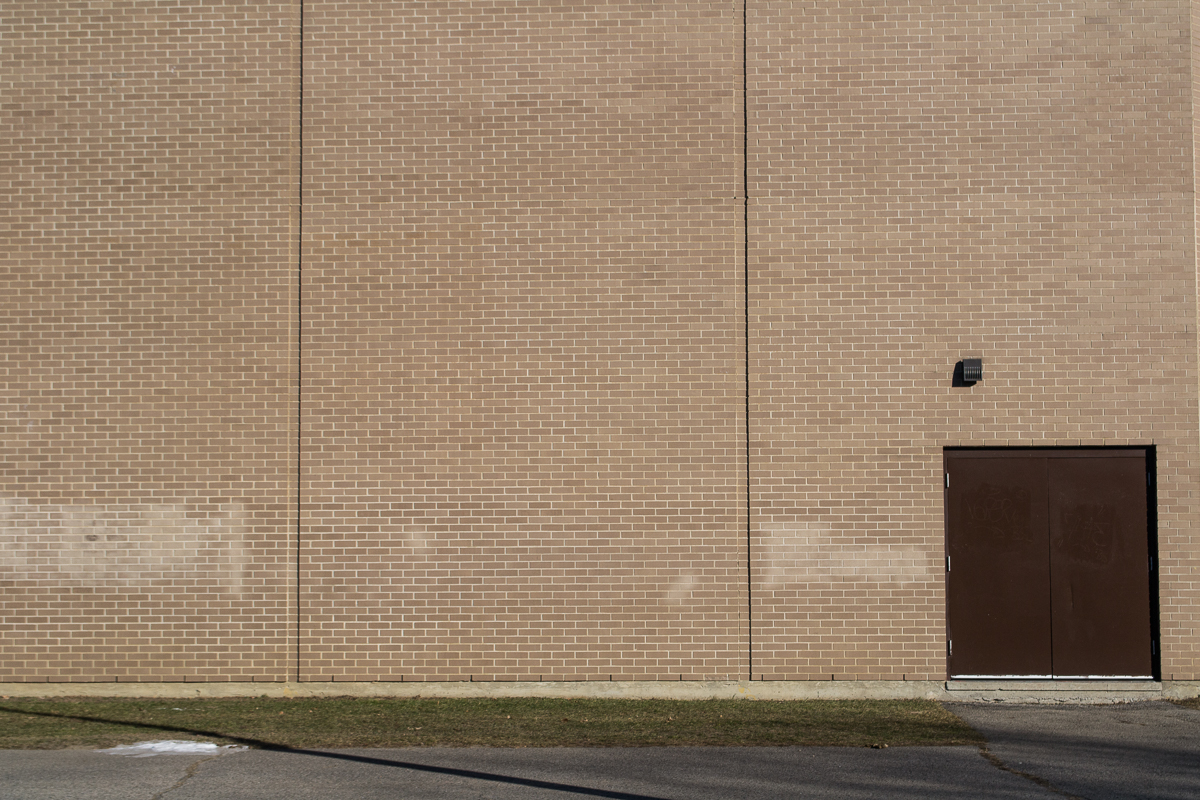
(124, 546)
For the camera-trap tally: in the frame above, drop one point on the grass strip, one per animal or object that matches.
(509, 722)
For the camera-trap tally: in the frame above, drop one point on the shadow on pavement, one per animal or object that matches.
(262, 745)
(1126, 750)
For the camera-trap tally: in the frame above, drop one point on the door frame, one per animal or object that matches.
(1150, 454)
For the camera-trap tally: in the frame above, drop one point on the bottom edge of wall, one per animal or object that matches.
(992, 691)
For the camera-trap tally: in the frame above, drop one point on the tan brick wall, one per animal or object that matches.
(523, 354)
(148, 155)
(522, 428)
(931, 181)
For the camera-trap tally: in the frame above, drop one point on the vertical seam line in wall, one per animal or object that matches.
(299, 321)
(746, 317)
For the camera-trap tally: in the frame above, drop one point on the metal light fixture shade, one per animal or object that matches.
(972, 369)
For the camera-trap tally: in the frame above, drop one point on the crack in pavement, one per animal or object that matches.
(187, 776)
(999, 764)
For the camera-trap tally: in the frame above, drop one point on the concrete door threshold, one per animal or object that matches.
(1051, 691)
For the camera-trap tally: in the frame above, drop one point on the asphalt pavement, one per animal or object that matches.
(1130, 750)
(1144, 750)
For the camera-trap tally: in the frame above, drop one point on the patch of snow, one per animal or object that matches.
(171, 747)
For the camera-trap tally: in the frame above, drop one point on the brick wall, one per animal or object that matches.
(147, 487)
(523, 402)
(500, 253)
(931, 181)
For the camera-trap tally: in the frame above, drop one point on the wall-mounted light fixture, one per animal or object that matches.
(968, 371)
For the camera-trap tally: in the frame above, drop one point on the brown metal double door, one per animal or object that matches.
(1048, 564)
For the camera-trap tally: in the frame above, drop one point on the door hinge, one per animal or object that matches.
(950, 646)
(947, 563)
(947, 480)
